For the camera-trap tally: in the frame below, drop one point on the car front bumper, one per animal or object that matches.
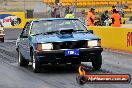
(85, 54)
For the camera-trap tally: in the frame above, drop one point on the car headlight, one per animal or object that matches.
(46, 46)
(93, 43)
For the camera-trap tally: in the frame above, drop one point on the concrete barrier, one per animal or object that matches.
(114, 38)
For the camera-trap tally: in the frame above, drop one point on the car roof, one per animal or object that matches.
(46, 19)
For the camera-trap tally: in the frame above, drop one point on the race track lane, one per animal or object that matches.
(59, 76)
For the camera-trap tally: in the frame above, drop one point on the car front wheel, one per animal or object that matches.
(36, 67)
(97, 62)
(21, 60)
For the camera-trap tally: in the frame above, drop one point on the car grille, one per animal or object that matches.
(70, 45)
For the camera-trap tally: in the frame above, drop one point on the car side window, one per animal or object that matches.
(26, 29)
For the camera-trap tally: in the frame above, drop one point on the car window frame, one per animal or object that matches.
(32, 22)
(31, 26)
(25, 31)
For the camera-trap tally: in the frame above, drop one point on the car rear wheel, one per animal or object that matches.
(97, 62)
(2, 39)
(21, 60)
(36, 67)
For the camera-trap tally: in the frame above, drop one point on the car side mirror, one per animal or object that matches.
(23, 36)
(91, 31)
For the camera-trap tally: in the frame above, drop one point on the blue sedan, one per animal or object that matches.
(58, 41)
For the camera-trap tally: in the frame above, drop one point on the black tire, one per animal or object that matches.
(18, 20)
(21, 60)
(97, 62)
(36, 67)
(2, 39)
(15, 23)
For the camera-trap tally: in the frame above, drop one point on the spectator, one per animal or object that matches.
(126, 5)
(116, 19)
(67, 10)
(71, 8)
(104, 17)
(69, 15)
(57, 13)
(56, 6)
(113, 7)
(119, 7)
(52, 11)
(62, 10)
(90, 17)
(83, 14)
(122, 13)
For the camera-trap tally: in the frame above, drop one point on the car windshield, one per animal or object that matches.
(57, 25)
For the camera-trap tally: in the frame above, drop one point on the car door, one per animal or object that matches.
(24, 46)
